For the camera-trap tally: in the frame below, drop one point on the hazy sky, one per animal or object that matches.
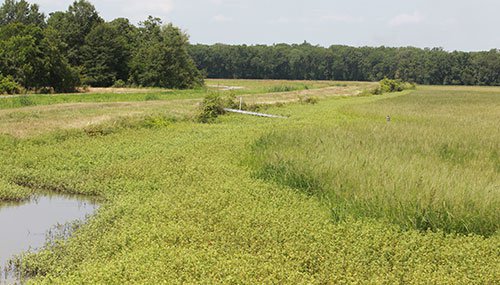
(451, 24)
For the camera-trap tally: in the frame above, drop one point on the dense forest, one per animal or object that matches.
(67, 49)
(305, 61)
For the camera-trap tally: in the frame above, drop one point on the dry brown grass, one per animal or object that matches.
(127, 90)
(295, 96)
(30, 121)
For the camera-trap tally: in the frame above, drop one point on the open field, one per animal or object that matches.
(43, 113)
(333, 194)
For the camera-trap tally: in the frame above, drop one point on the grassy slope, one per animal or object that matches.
(181, 207)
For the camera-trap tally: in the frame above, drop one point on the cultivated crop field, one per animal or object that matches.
(334, 194)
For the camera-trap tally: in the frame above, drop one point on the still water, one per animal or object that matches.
(24, 226)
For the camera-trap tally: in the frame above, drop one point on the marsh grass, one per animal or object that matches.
(282, 88)
(433, 167)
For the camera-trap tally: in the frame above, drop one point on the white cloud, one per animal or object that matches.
(404, 19)
(222, 19)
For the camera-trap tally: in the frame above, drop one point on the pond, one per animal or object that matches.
(24, 226)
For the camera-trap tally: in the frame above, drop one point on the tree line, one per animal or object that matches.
(74, 47)
(305, 61)
(67, 49)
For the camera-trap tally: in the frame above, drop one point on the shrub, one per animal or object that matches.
(9, 86)
(391, 85)
(119, 84)
(211, 107)
(397, 85)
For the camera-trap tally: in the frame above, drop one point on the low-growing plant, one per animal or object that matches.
(152, 97)
(25, 100)
(308, 99)
(281, 88)
(158, 121)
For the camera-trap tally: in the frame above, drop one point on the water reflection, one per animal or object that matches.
(24, 226)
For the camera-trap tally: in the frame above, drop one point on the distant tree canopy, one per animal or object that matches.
(305, 61)
(77, 46)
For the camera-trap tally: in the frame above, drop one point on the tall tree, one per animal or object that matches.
(73, 26)
(106, 55)
(32, 56)
(13, 11)
(162, 59)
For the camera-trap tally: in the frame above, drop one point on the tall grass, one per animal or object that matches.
(433, 167)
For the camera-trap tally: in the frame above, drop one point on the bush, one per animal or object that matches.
(391, 85)
(212, 106)
(119, 84)
(397, 85)
(9, 86)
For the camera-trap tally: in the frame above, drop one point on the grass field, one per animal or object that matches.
(25, 116)
(333, 194)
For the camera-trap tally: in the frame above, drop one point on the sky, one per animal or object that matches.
(450, 24)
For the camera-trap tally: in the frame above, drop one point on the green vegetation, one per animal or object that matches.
(282, 88)
(13, 193)
(305, 61)
(212, 106)
(77, 47)
(9, 86)
(392, 85)
(253, 200)
(433, 167)
(146, 94)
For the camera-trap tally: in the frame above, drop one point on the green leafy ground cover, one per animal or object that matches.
(184, 202)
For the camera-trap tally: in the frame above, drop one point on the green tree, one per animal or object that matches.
(162, 59)
(106, 55)
(13, 11)
(33, 58)
(73, 26)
